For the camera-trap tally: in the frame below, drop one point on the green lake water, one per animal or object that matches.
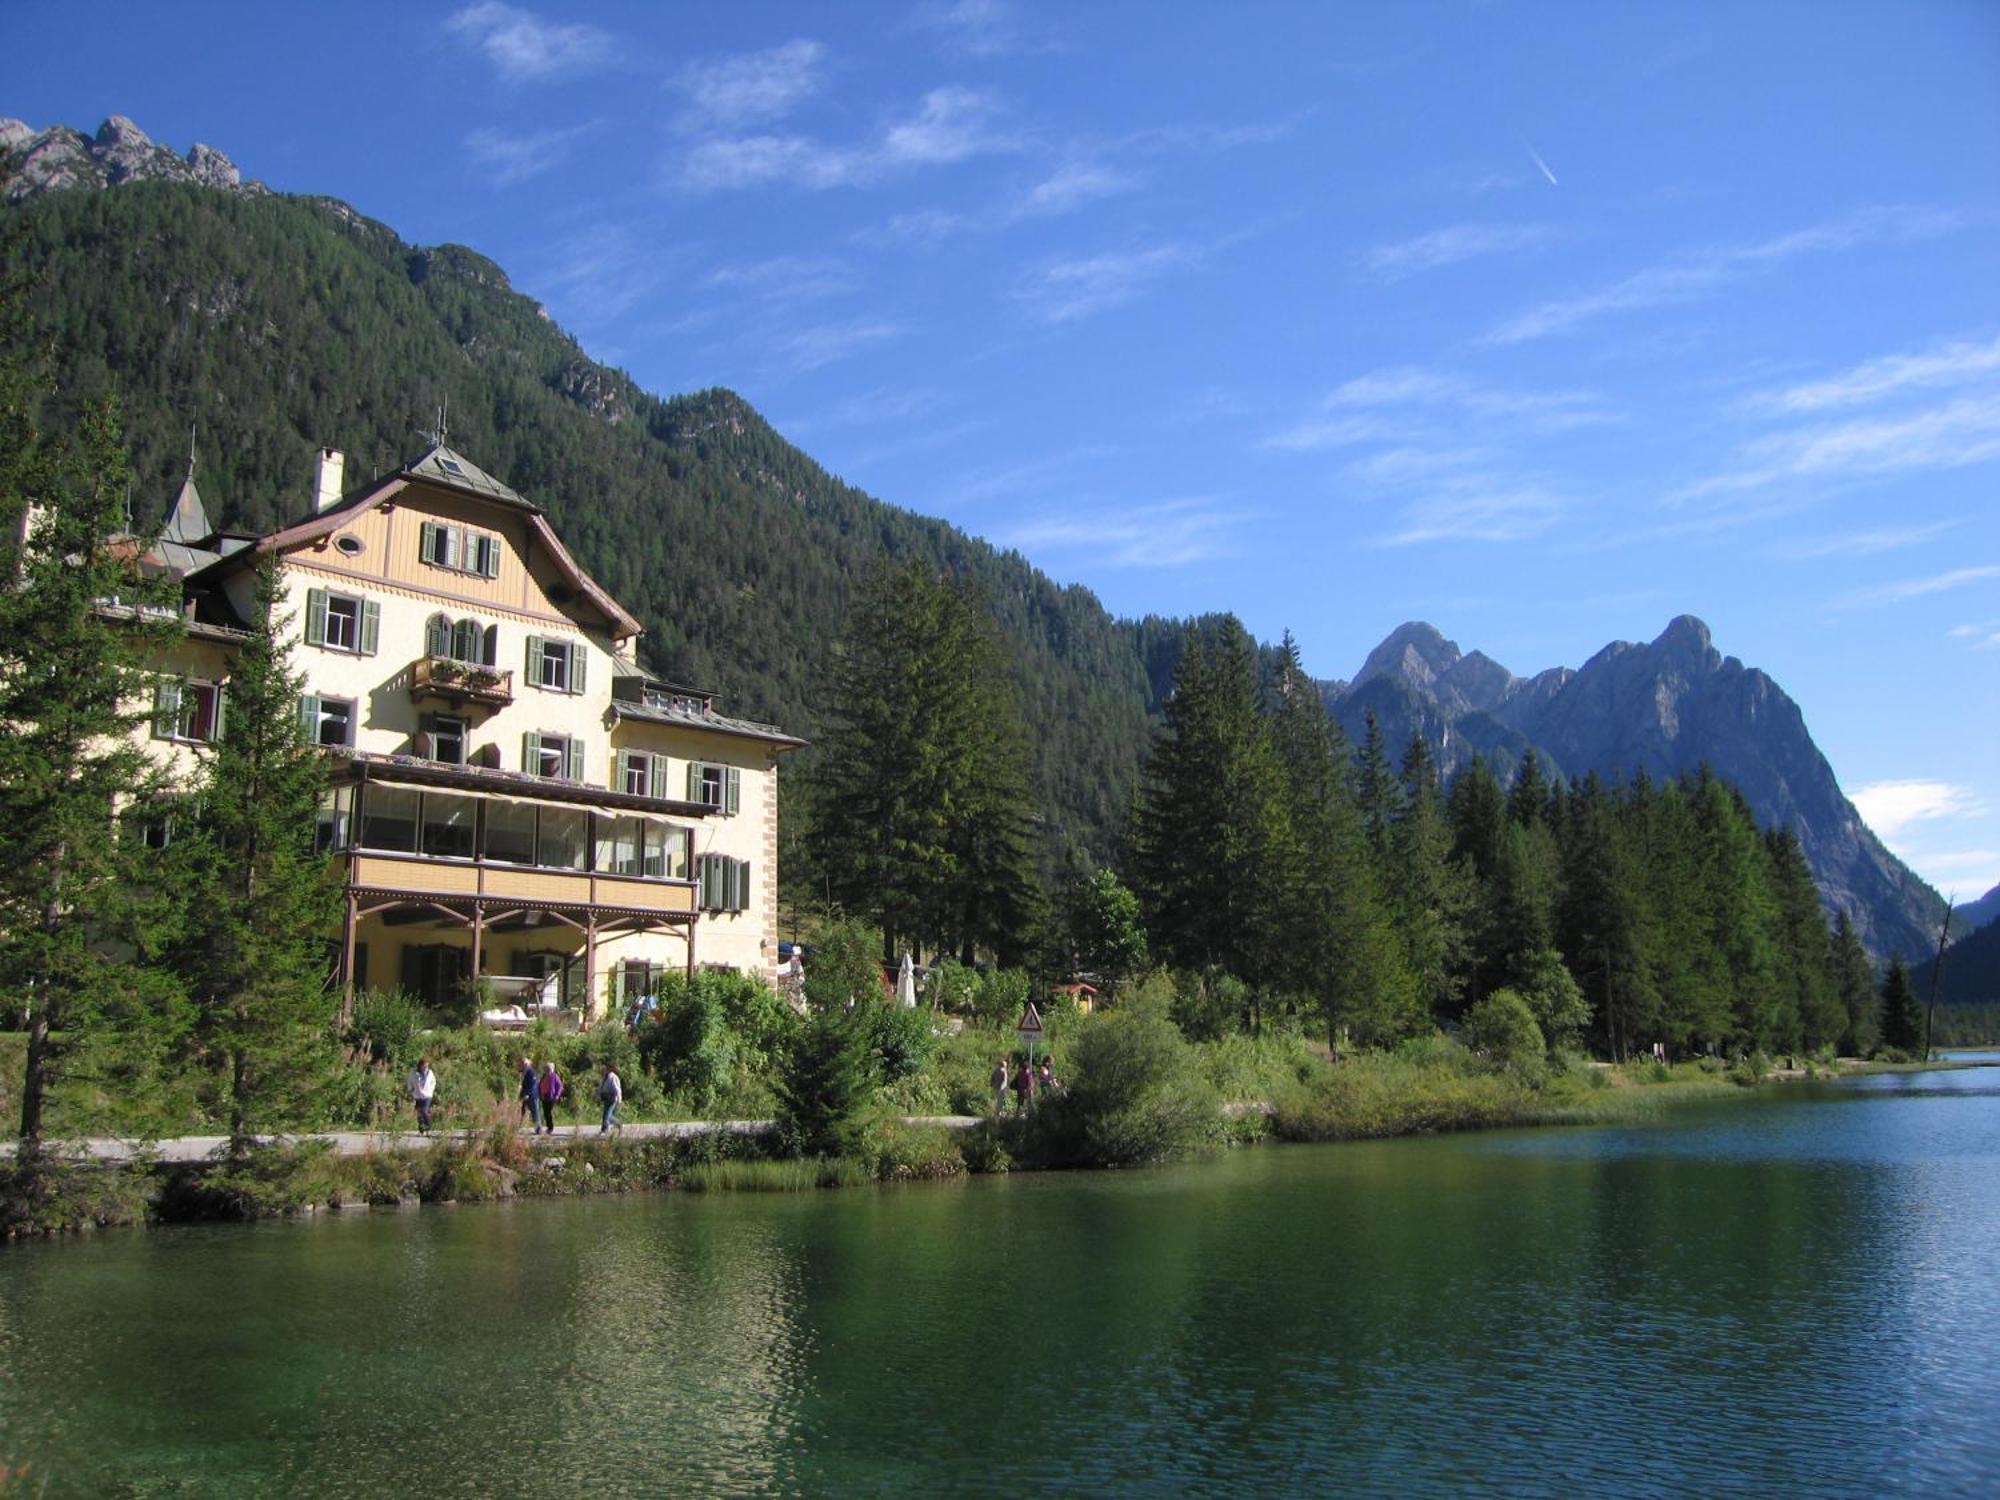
(1796, 1292)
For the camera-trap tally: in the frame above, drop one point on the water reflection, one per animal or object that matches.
(1789, 1293)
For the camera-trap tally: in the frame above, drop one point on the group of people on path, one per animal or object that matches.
(542, 1089)
(1028, 1081)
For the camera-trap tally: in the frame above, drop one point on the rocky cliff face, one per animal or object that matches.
(33, 161)
(1667, 707)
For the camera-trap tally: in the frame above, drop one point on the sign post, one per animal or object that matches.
(1029, 1030)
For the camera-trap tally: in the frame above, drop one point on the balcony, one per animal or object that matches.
(460, 682)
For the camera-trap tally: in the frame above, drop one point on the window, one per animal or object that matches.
(637, 977)
(641, 773)
(725, 883)
(342, 622)
(157, 823)
(644, 847)
(719, 787)
(461, 640)
(443, 740)
(330, 828)
(389, 818)
(556, 665)
(558, 756)
(435, 973)
(460, 549)
(563, 841)
(185, 709)
(510, 831)
(327, 721)
(449, 823)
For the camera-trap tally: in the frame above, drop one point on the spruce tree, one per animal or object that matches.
(1902, 1017)
(262, 900)
(1854, 982)
(1209, 845)
(1430, 891)
(83, 913)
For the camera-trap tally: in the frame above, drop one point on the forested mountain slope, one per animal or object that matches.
(272, 325)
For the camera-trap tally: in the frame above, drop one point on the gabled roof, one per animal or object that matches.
(441, 468)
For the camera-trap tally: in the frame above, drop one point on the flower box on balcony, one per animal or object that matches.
(460, 682)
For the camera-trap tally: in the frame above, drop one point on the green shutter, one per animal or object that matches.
(734, 791)
(492, 557)
(315, 617)
(694, 781)
(489, 653)
(656, 776)
(427, 547)
(619, 782)
(309, 718)
(534, 672)
(221, 706)
(740, 897)
(531, 753)
(454, 539)
(578, 655)
(437, 636)
(166, 708)
(573, 759)
(371, 625)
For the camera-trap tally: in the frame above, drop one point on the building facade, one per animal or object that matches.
(514, 797)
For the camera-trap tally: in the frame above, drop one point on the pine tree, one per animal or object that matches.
(1814, 1015)
(262, 900)
(1375, 787)
(1209, 845)
(1430, 891)
(1902, 1017)
(82, 914)
(1854, 982)
(1528, 798)
(1336, 942)
(1603, 928)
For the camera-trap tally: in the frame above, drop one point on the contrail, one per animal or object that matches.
(1543, 165)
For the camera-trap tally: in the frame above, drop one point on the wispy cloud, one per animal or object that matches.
(509, 159)
(785, 279)
(1451, 246)
(982, 28)
(1472, 509)
(601, 271)
(1906, 589)
(1062, 291)
(949, 125)
(524, 46)
(1956, 435)
(982, 486)
(1953, 364)
(750, 88)
(1171, 534)
(872, 407)
(1399, 403)
(1984, 635)
(1701, 272)
(808, 349)
(1892, 807)
(1071, 186)
(1868, 543)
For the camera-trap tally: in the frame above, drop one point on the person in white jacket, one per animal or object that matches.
(423, 1089)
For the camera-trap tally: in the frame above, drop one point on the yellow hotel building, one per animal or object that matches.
(513, 795)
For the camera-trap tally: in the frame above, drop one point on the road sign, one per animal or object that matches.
(1029, 1027)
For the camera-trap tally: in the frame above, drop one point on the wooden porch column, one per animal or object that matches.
(478, 936)
(347, 960)
(689, 935)
(589, 967)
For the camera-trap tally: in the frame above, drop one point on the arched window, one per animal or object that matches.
(460, 640)
(468, 642)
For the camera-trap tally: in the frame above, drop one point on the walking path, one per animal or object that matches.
(361, 1142)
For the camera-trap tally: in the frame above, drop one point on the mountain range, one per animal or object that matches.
(270, 324)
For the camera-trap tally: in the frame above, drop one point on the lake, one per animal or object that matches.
(1791, 1292)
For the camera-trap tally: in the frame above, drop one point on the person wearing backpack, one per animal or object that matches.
(551, 1091)
(611, 1093)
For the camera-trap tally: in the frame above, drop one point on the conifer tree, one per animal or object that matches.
(262, 899)
(1337, 945)
(1902, 1017)
(1375, 787)
(1603, 929)
(1430, 891)
(1208, 849)
(1854, 982)
(1814, 1015)
(1528, 798)
(82, 914)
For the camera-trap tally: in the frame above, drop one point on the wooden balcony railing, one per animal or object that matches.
(460, 682)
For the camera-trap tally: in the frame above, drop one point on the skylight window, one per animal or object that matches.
(452, 466)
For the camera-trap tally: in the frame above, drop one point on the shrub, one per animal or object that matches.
(1748, 1071)
(906, 1153)
(689, 1047)
(1135, 1093)
(824, 1087)
(1503, 1028)
(1000, 996)
(900, 1039)
(1210, 1005)
(844, 971)
(384, 1028)
(952, 988)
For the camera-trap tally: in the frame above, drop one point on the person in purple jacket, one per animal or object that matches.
(550, 1090)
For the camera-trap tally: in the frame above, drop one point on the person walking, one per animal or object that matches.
(1000, 1088)
(611, 1093)
(530, 1111)
(1045, 1079)
(1024, 1089)
(423, 1089)
(549, 1090)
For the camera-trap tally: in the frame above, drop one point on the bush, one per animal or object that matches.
(952, 988)
(1135, 1093)
(689, 1046)
(1748, 1071)
(844, 971)
(824, 1087)
(1209, 1005)
(1000, 996)
(907, 1153)
(1503, 1028)
(384, 1028)
(900, 1039)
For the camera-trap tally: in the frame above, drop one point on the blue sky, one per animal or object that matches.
(1544, 323)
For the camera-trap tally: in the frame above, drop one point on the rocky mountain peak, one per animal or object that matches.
(1416, 653)
(1687, 640)
(33, 162)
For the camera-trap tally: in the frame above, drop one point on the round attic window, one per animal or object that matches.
(352, 546)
